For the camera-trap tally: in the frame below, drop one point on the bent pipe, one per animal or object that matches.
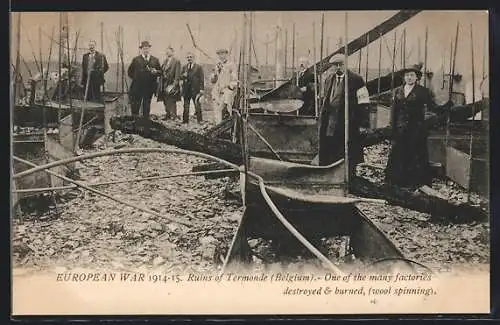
(262, 187)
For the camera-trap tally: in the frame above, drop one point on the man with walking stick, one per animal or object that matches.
(94, 66)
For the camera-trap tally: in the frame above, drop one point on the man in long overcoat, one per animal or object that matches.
(225, 80)
(169, 87)
(332, 121)
(144, 71)
(94, 66)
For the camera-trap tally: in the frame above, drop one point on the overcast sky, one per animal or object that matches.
(219, 29)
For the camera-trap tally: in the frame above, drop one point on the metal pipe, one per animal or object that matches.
(133, 180)
(82, 185)
(294, 231)
(346, 107)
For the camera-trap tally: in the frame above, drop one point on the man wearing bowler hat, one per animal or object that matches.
(332, 121)
(144, 71)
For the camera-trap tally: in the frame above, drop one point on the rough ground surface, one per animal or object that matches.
(438, 245)
(90, 231)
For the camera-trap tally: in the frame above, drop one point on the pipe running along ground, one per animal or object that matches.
(262, 187)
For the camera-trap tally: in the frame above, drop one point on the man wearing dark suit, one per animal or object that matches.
(332, 122)
(192, 88)
(168, 88)
(143, 71)
(306, 84)
(94, 66)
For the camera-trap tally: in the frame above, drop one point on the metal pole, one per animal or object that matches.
(418, 49)
(483, 75)
(367, 56)
(321, 44)
(286, 53)
(122, 45)
(293, 48)
(425, 55)
(102, 37)
(359, 60)
(403, 49)
(59, 80)
(393, 62)
(315, 72)
(346, 108)
(102, 49)
(70, 71)
(40, 51)
(379, 68)
(276, 58)
(267, 48)
(18, 56)
(471, 141)
(117, 58)
(453, 55)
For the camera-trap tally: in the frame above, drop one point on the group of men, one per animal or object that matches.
(170, 81)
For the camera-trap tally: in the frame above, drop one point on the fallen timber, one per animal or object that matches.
(231, 152)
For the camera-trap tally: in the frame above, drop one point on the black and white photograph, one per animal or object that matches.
(250, 162)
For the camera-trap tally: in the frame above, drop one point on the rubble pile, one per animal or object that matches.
(93, 231)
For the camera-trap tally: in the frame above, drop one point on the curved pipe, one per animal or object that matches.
(121, 151)
(262, 187)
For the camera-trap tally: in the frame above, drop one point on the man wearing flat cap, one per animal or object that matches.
(144, 71)
(332, 121)
(225, 80)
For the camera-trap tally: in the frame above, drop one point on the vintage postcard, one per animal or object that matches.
(295, 162)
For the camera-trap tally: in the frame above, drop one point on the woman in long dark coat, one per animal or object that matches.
(408, 164)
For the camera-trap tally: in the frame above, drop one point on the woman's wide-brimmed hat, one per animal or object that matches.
(144, 44)
(417, 68)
